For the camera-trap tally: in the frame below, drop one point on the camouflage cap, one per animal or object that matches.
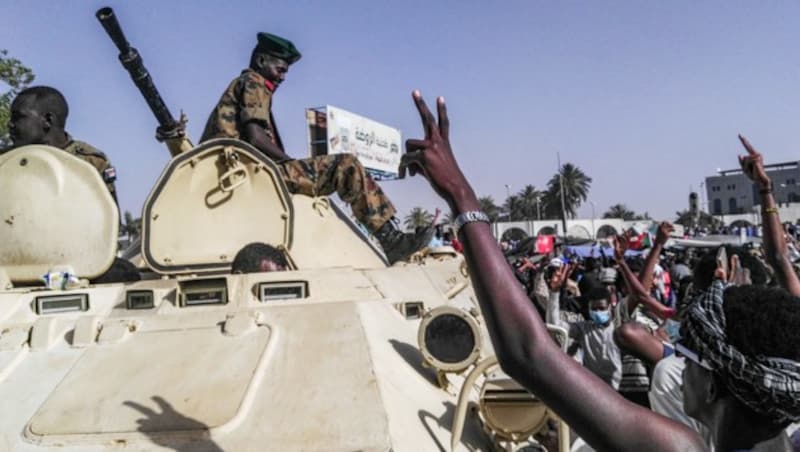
(277, 47)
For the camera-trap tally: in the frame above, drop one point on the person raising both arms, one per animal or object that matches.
(591, 407)
(601, 355)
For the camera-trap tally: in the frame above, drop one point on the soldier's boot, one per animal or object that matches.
(399, 245)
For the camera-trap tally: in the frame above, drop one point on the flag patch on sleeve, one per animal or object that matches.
(109, 174)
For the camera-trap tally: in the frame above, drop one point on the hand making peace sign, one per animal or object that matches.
(432, 156)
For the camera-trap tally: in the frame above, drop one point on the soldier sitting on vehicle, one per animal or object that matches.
(259, 257)
(39, 115)
(245, 112)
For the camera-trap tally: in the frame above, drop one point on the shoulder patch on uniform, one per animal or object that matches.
(109, 174)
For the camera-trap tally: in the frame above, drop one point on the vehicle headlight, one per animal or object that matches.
(449, 338)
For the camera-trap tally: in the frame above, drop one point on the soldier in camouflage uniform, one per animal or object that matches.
(38, 116)
(245, 112)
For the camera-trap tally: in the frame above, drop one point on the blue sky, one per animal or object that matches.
(645, 97)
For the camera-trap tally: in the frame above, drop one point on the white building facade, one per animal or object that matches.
(731, 193)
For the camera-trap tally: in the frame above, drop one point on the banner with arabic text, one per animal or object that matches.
(377, 145)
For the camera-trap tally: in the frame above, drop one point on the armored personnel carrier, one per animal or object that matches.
(340, 352)
(330, 355)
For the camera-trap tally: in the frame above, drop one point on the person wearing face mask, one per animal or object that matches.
(601, 355)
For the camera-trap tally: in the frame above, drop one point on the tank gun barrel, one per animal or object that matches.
(110, 23)
(169, 130)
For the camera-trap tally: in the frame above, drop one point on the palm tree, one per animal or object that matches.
(687, 219)
(488, 205)
(576, 190)
(513, 208)
(132, 226)
(620, 211)
(417, 217)
(529, 199)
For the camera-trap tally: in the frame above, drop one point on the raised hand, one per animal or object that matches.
(725, 274)
(559, 278)
(621, 244)
(664, 231)
(527, 264)
(735, 267)
(775, 247)
(436, 214)
(753, 165)
(432, 156)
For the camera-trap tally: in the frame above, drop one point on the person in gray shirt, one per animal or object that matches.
(601, 355)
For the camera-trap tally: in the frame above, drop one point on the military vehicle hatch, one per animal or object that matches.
(340, 352)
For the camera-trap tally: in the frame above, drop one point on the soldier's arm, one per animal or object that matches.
(100, 161)
(254, 114)
(256, 135)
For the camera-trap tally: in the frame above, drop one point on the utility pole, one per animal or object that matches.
(508, 195)
(561, 190)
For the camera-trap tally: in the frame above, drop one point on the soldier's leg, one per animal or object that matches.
(342, 174)
(298, 176)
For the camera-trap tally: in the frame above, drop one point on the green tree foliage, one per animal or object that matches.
(576, 191)
(418, 217)
(702, 219)
(522, 206)
(15, 77)
(132, 227)
(513, 209)
(529, 197)
(489, 207)
(620, 211)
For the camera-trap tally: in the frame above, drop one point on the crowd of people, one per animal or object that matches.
(675, 350)
(687, 349)
(748, 230)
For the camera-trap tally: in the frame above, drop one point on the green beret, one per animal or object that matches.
(277, 47)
